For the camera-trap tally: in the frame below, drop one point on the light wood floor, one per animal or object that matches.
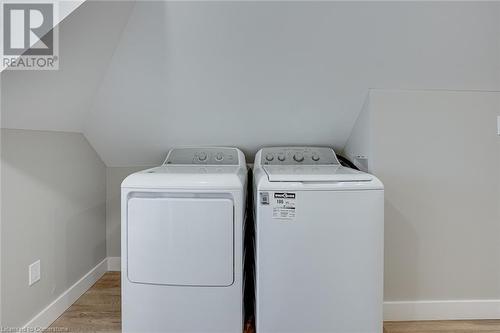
(98, 310)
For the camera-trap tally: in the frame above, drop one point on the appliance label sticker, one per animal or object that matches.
(284, 205)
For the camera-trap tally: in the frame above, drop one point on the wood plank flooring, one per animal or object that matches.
(98, 310)
(451, 326)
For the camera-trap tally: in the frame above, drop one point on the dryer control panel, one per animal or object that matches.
(298, 156)
(204, 156)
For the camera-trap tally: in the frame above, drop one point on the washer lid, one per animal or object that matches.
(314, 173)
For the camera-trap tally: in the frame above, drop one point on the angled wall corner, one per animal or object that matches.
(358, 146)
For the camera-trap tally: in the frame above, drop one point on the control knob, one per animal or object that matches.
(315, 157)
(269, 157)
(202, 156)
(298, 157)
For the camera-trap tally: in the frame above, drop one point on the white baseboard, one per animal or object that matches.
(114, 264)
(48, 315)
(442, 310)
(393, 311)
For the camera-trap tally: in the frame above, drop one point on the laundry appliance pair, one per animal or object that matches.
(318, 243)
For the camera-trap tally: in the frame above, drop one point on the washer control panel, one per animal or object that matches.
(298, 156)
(205, 156)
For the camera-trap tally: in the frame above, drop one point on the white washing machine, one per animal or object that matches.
(182, 240)
(319, 244)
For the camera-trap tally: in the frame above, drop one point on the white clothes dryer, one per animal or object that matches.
(182, 243)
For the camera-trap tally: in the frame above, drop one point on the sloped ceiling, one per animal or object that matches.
(249, 73)
(60, 100)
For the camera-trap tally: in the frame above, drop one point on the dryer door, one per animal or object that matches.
(180, 241)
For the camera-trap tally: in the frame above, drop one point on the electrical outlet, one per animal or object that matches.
(34, 272)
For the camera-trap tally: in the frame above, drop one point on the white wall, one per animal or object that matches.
(53, 194)
(256, 73)
(438, 155)
(249, 73)
(114, 178)
(60, 100)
